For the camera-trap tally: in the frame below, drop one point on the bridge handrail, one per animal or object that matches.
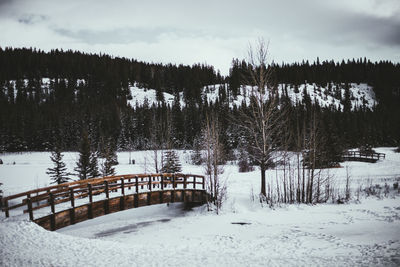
(56, 194)
(372, 155)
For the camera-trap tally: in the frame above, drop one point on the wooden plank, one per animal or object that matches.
(62, 219)
(81, 213)
(98, 209)
(44, 222)
(114, 204)
(72, 215)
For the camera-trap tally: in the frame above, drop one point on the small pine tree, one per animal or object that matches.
(171, 163)
(196, 155)
(244, 161)
(93, 165)
(107, 166)
(59, 173)
(83, 165)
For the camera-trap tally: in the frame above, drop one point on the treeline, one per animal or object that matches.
(88, 94)
(30, 64)
(384, 76)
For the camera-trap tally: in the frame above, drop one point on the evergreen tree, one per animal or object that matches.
(171, 163)
(59, 173)
(196, 156)
(109, 161)
(244, 160)
(93, 165)
(83, 165)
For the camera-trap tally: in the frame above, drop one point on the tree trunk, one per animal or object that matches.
(263, 186)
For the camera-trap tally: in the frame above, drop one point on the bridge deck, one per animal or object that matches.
(86, 199)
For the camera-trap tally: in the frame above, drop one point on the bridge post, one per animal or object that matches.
(137, 184)
(29, 203)
(53, 216)
(194, 182)
(5, 203)
(90, 209)
(106, 189)
(149, 185)
(149, 193)
(122, 199)
(72, 210)
(173, 189)
(106, 204)
(162, 189)
(122, 186)
(184, 187)
(136, 201)
(71, 196)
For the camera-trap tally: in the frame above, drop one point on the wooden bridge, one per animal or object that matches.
(86, 199)
(362, 156)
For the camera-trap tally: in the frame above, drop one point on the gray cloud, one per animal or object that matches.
(31, 18)
(4, 2)
(366, 29)
(207, 31)
(121, 35)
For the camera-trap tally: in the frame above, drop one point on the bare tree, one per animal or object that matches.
(212, 162)
(261, 120)
(160, 139)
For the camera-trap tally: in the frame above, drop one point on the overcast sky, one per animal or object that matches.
(206, 31)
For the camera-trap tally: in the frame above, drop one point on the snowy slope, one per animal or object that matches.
(361, 94)
(330, 95)
(140, 95)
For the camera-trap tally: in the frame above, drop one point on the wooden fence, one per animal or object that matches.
(81, 200)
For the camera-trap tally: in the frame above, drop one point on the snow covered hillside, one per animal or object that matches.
(330, 95)
(246, 233)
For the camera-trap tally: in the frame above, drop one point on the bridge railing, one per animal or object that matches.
(360, 154)
(95, 189)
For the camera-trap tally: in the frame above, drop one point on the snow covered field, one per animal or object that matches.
(245, 234)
